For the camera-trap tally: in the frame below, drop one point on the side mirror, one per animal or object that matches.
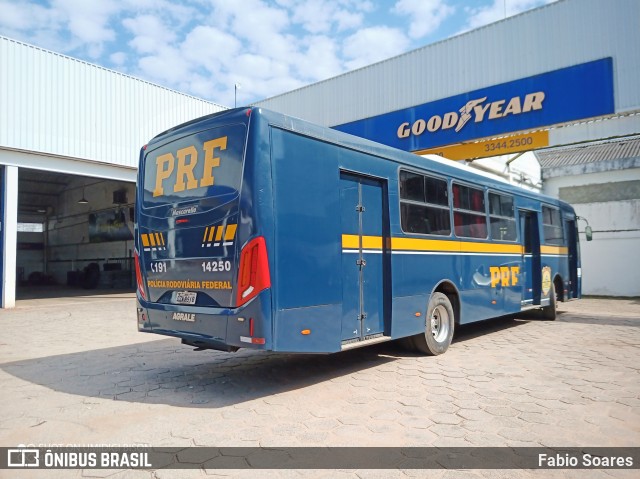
(588, 233)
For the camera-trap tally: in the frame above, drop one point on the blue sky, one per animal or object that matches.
(205, 47)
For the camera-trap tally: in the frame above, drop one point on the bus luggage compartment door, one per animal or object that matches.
(362, 217)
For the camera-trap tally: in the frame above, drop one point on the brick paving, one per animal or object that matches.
(76, 371)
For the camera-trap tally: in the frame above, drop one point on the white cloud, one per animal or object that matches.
(426, 15)
(320, 59)
(66, 26)
(373, 44)
(167, 67)
(22, 16)
(203, 86)
(88, 21)
(264, 30)
(151, 33)
(322, 16)
(31, 23)
(316, 16)
(262, 18)
(210, 48)
(118, 58)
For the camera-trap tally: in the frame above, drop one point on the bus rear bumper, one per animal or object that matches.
(222, 329)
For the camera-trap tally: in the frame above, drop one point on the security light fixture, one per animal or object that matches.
(83, 200)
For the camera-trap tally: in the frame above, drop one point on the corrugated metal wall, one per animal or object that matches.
(58, 105)
(559, 35)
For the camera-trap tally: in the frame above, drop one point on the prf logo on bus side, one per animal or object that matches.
(166, 163)
(505, 275)
(473, 108)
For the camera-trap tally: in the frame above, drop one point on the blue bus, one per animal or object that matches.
(258, 230)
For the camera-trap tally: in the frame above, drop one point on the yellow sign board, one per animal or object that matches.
(495, 147)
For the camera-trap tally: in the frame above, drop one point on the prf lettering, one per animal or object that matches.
(187, 161)
(505, 275)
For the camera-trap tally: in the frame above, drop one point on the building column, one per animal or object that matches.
(9, 233)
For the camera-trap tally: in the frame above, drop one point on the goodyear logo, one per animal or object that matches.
(219, 235)
(153, 241)
(475, 109)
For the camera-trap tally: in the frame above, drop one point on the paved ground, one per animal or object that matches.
(76, 371)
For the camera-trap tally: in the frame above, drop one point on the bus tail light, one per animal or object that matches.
(253, 274)
(139, 276)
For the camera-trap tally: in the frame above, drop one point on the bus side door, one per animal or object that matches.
(572, 242)
(362, 217)
(531, 273)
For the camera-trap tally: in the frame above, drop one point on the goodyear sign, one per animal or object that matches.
(581, 91)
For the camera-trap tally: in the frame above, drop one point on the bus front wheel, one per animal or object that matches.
(439, 326)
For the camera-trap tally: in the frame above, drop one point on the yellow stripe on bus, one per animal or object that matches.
(554, 249)
(152, 239)
(219, 233)
(418, 244)
(211, 231)
(145, 240)
(368, 242)
(204, 237)
(230, 232)
(472, 247)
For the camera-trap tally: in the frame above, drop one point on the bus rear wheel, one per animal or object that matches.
(546, 313)
(549, 313)
(439, 326)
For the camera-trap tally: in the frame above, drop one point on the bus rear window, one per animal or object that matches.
(203, 165)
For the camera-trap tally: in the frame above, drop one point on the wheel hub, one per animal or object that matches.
(439, 323)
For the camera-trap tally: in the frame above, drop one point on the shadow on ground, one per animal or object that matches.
(166, 372)
(607, 320)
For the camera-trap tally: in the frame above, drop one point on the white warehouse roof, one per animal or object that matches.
(57, 105)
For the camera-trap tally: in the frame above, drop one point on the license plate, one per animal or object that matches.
(185, 297)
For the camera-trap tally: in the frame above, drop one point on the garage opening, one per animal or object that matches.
(75, 235)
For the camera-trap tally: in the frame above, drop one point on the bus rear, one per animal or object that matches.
(201, 263)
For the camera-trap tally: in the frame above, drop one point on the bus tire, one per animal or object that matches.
(439, 326)
(549, 313)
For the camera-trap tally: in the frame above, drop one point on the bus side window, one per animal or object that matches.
(469, 217)
(553, 231)
(502, 218)
(424, 204)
